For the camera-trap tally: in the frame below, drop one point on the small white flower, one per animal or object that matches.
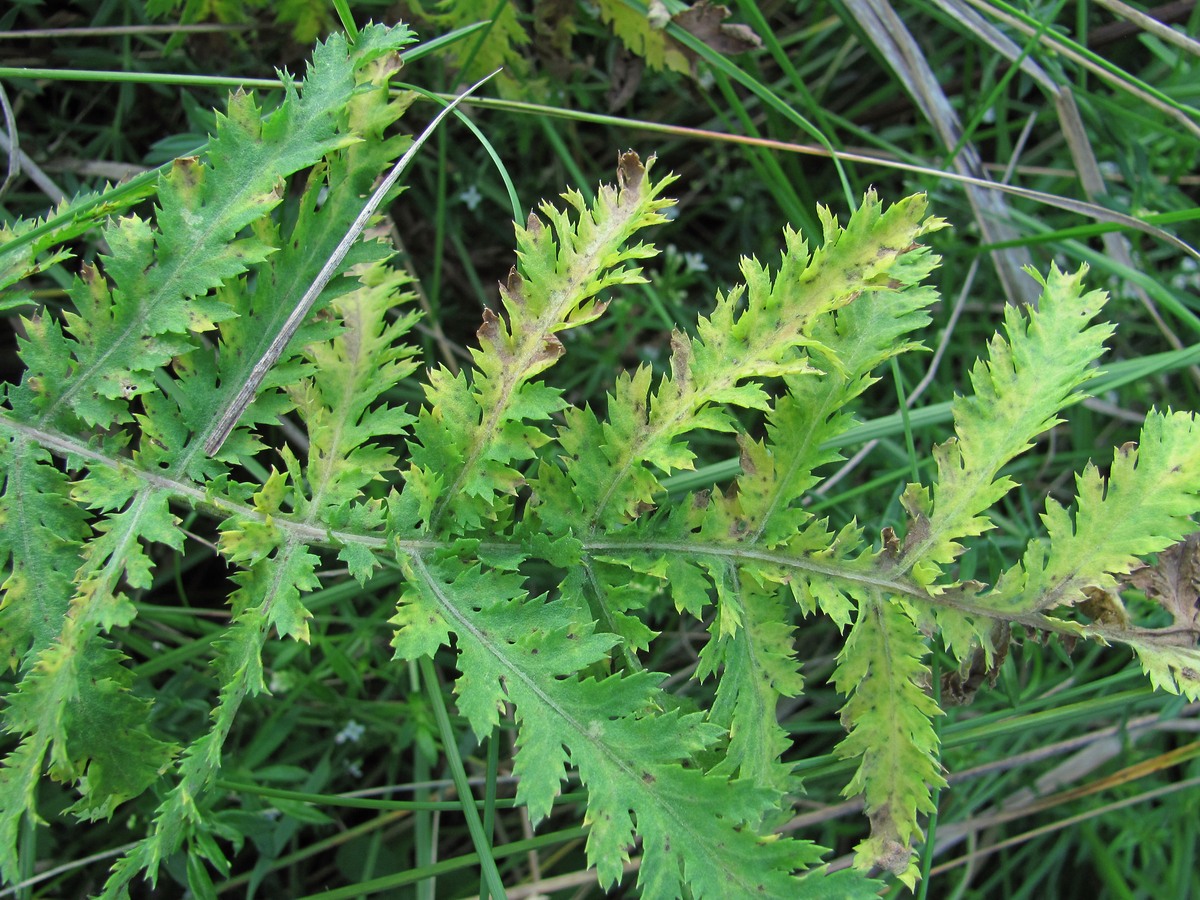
(1181, 282)
(471, 197)
(280, 682)
(354, 768)
(1188, 276)
(351, 732)
(735, 202)
(694, 262)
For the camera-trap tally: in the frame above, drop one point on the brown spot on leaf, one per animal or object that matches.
(681, 358)
(187, 170)
(744, 459)
(891, 543)
(1104, 608)
(918, 531)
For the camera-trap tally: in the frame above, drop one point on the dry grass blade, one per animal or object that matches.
(895, 42)
(981, 29)
(14, 154)
(27, 166)
(1115, 245)
(1067, 52)
(1152, 26)
(975, 855)
(1079, 207)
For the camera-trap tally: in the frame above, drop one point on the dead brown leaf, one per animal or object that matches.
(1174, 583)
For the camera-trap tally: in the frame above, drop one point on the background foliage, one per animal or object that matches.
(1072, 100)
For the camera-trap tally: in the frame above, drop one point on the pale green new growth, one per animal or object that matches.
(888, 719)
(469, 436)
(1143, 507)
(533, 536)
(1019, 391)
(612, 465)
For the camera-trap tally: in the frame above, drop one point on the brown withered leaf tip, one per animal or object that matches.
(489, 331)
(534, 226)
(551, 349)
(630, 170)
(514, 288)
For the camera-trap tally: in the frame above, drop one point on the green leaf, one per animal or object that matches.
(758, 666)
(755, 331)
(888, 717)
(41, 533)
(499, 47)
(1145, 505)
(547, 561)
(808, 419)
(1019, 391)
(532, 654)
(187, 271)
(268, 594)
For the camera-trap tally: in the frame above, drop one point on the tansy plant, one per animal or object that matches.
(532, 534)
